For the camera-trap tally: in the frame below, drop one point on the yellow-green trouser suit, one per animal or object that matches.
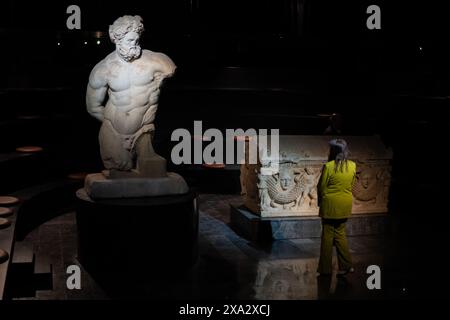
(335, 201)
(333, 233)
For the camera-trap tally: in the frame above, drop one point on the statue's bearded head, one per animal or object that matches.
(125, 33)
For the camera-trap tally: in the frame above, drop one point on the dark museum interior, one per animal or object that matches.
(290, 65)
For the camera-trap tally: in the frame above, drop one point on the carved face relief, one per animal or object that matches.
(128, 47)
(365, 179)
(366, 187)
(286, 178)
(285, 187)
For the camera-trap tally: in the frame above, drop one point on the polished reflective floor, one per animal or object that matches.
(231, 267)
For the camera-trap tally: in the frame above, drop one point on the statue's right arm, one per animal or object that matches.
(96, 91)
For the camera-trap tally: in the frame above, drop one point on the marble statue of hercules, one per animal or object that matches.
(131, 78)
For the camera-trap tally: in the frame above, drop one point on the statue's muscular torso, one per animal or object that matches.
(133, 88)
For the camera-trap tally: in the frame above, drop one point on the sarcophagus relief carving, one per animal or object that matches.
(289, 187)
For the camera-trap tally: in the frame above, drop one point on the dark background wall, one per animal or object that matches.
(254, 63)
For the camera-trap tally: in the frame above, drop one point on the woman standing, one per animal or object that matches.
(335, 201)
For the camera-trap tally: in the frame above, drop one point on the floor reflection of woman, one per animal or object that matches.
(335, 201)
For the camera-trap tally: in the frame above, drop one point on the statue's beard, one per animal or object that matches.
(129, 53)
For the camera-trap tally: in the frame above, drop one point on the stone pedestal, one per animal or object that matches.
(99, 186)
(132, 237)
(260, 229)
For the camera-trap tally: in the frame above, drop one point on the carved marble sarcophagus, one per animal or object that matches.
(289, 188)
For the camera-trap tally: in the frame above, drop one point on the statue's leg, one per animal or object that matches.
(313, 196)
(114, 154)
(149, 164)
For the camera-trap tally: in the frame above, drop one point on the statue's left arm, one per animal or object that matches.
(165, 66)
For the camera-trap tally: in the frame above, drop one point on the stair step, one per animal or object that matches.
(43, 274)
(45, 295)
(42, 265)
(23, 253)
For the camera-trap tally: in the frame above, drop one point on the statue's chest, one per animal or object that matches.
(124, 77)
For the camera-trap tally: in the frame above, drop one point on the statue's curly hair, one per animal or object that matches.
(124, 25)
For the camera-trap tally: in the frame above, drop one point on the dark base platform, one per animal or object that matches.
(134, 236)
(255, 228)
